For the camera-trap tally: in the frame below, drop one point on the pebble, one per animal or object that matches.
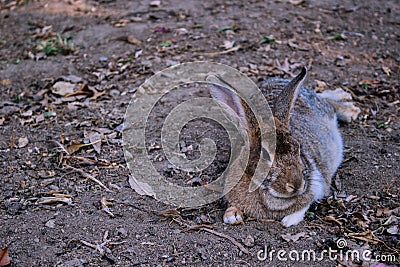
(51, 224)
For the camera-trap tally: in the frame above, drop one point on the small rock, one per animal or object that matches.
(249, 241)
(75, 263)
(122, 232)
(156, 3)
(23, 142)
(9, 110)
(71, 78)
(103, 59)
(51, 224)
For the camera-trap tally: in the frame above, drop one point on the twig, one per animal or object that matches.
(240, 246)
(207, 229)
(86, 175)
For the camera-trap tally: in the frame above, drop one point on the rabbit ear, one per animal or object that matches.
(224, 93)
(286, 99)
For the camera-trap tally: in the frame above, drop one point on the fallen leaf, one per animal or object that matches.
(50, 223)
(52, 200)
(390, 220)
(332, 219)
(75, 146)
(321, 85)
(105, 204)
(293, 238)
(367, 236)
(386, 70)
(142, 189)
(63, 88)
(169, 213)
(133, 40)
(394, 230)
(4, 257)
(121, 23)
(95, 139)
(233, 49)
(5, 82)
(155, 3)
(296, 2)
(23, 142)
(71, 78)
(249, 241)
(228, 44)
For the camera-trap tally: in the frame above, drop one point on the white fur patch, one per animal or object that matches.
(317, 182)
(233, 219)
(295, 218)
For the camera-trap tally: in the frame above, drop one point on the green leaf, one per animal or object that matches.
(166, 44)
(268, 39)
(224, 29)
(338, 37)
(380, 125)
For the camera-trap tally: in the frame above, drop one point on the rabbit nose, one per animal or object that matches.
(298, 186)
(290, 188)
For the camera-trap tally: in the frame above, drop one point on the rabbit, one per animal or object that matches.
(309, 150)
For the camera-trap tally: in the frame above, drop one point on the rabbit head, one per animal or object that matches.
(286, 176)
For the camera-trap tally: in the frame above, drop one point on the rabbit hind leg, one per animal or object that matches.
(341, 101)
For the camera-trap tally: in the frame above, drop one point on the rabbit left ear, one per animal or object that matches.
(225, 94)
(286, 99)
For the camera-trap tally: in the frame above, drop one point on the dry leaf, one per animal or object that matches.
(75, 146)
(5, 82)
(142, 189)
(133, 40)
(63, 88)
(394, 230)
(367, 236)
(169, 213)
(294, 2)
(321, 85)
(228, 44)
(156, 3)
(386, 70)
(233, 49)
(390, 220)
(52, 200)
(23, 142)
(332, 219)
(4, 257)
(105, 204)
(293, 238)
(95, 140)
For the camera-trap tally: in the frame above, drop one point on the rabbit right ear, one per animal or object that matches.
(225, 94)
(286, 99)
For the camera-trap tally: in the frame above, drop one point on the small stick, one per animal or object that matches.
(240, 246)
(207, 229)
(86, 175)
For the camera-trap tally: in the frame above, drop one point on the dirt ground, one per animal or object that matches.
(68, 70)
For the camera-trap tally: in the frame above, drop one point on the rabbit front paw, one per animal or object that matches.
(294, 218)
(233, 216)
